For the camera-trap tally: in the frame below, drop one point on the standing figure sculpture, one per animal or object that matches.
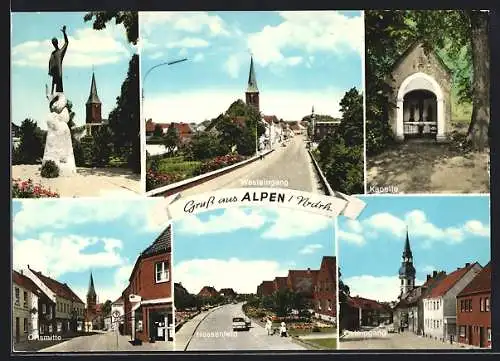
(58, 144)
(55, 63)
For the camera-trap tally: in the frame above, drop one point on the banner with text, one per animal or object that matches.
(329, 206)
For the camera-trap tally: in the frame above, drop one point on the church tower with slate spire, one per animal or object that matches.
(91, 297)
(407, 270)
(252, 93)
(93, 105)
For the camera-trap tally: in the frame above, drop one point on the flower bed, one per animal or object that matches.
(220, 162)
(155, 180)
(28, 189)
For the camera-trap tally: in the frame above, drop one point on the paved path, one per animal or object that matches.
(288, 167)
(215, 333)
(88, 182)
(106, 342)
(405, 340)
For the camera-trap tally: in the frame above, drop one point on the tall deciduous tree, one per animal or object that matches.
(124, 118)
(31, 146)
(171, 140)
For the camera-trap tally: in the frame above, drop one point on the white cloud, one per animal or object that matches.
(242, 276)
(381, 288)
(86, 47)
(188, 43)
(231, 220)
(198, 57)
(310, 31)
(56, 255)
(189, 22)
(311, 248)
(293, 60)
(418, 225)
(147, 214)
(288, 105)
(234, 63)
(352, 238)
(292, 223)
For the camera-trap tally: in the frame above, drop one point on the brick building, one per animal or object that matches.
(474, 310)
(266, 288)
(148, 297)
(325, 290)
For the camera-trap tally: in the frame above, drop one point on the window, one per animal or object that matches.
(481, 304)
(25, 325)
(470, 305)
(487, 302)
(489, 334)
(59, 326)
(25, 299)
(44, 308)
(161, 272)
(50, 328)
(17, 296)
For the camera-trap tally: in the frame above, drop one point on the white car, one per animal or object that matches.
(239, 324)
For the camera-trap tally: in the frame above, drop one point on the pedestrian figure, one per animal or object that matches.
(269, 326)
(283, 330)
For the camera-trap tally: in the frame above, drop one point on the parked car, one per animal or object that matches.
(239, 324)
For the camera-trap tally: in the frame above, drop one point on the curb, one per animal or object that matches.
(170, 189)
(198, 325)
(322, 177)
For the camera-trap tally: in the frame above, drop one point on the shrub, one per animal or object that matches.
(316, 329)
(379, 136)
(50, 169)
(155, 180)
(220, 162)
(27, 189)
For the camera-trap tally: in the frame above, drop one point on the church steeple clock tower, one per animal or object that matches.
(252, 93)
(93, 105)
(91, 297)
(407, 270)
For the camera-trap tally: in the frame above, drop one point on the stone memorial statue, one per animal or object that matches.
(58, 146)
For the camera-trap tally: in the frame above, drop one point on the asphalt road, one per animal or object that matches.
(106, 342)
(286, 167)
(215, 333)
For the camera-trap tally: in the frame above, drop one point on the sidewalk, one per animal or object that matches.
(186, 332)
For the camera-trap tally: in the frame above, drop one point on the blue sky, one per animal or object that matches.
(67, 239)
(445, 232)
(301, 59)
(108, 51)
(240, 247)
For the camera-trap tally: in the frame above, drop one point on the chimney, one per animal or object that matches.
(467, 264)
(21, 271)
(308, 270)
(434, 274)
(428, 277)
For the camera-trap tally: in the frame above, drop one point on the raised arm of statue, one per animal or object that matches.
(66, 41)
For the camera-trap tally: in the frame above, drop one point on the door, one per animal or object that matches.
(17, 330)
(468, 335)
(481, 336)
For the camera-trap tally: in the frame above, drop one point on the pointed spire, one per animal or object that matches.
(407, 250)
(93, 97)
(91, 291)
(252, 79)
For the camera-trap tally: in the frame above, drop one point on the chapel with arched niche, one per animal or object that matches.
(421, 90)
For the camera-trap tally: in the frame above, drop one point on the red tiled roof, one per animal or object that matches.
(480, 283)
(365, 303)
(270, 119)
(25, 282)
(208, 290)
(60, 289)
(448, 282)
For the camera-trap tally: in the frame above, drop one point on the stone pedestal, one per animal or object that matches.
(58, 146)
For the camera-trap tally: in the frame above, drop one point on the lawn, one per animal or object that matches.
(301, 332)
(177, 165)
(326, 343)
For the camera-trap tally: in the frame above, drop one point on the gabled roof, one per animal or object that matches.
(60, 289)
(412, 47)
(162, 244)
(481, 283)
(26, 283)
(449, 281)
(208, 289)
(119, 300)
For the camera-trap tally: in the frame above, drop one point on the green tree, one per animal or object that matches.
(78, 150)
(129, 19)
(344, 293)
(124, 118)
(102, 148)
(171, 139)
(341, 155)
(158, 131)
(106, 308)
(267, 302)
(283, 302)
(205, 145)
(31, 145)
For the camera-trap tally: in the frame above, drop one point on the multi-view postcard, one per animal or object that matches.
(252, 99)
(250, 181)
(260, 279)
(75, 105)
